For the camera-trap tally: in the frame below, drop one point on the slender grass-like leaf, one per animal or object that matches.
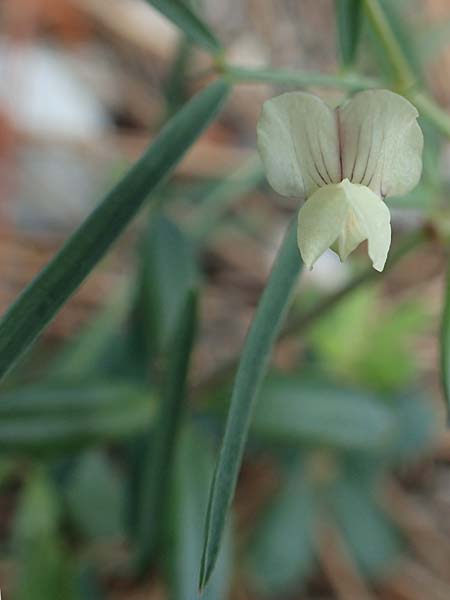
(252, 367)
(159, 452)
(190, 24)
(348, 18)
(289, 77)
(445, 343)
(42, 299)
(49, 419)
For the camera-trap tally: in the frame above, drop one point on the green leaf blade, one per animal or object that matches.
(252, 367)
(41, 300)
(160, 451)
(192, 26)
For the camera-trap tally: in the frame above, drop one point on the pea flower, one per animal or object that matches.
(343, 162)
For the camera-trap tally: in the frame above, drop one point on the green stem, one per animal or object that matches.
(382, 28)
(345, 81)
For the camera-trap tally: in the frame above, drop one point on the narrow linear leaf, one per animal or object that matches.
(42, 299)
(252, 367)
(184, 17)
(159, 453)
(348, 18)
(445, 343)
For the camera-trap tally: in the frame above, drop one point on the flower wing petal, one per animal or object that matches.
(372, 221)
(320, 221)
(298, 143)
(381, 142)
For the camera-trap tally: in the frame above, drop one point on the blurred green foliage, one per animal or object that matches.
(360, 341)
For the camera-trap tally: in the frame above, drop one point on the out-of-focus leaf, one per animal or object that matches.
(433, 39)
(168, 272)
(50, 419)
(193, 468)
(89, 355)
(416, 428)
(87, 584)
(368, 533)
(294, 410)
(95, 497)
(360, 342)
(281, 552)
(44, 568)
(184, 17)
(42, 299)
(215, 204)
(252, 368)
(349, 19)
(156, 463)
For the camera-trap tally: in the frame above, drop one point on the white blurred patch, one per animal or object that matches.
(328, 272)
(42, 94)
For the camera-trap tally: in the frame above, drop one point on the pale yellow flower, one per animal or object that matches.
(343, 162)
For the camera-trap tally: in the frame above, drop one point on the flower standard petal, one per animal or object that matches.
(298, 143)
(320, 221)
(381, 142)
(372, 219)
